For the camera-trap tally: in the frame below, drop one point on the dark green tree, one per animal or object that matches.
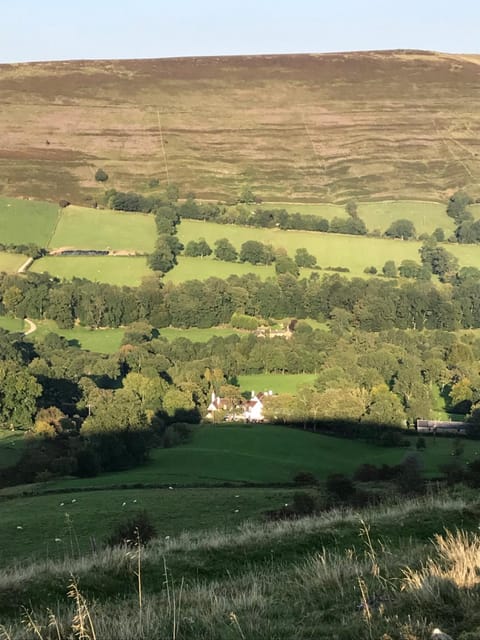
(402, 228)
(101, 175)
(457, 206)
(256, 252)
(224, 250)
(305, 259)
(389, 269)
(200, 248)
(440, 261)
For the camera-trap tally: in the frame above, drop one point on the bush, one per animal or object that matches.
(366, 473)
(392, 438)
(410, 479)
(88, 464)
(63, 203)
(138, 529)
(101, 175)
(241, 321)
(304, 504)
(454, 472)
(340, 487)
(371, 473)
(421, 443)
(176, 434)
(305, 477)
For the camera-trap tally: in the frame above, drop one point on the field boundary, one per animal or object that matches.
(59, 216)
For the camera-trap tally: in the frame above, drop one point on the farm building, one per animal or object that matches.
(247, 411)
(442, 426)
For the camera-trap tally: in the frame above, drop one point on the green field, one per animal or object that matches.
(25, 221)
(108, 340)
(264, 454)
(261, 454)
(11, 446)
(101, 340)
(110, 269)
(331, 250)
(44, 519)
(426, 216)
(195, 334)
(15, 325)
(277, 382)
(11, 262)
(208, 267)
(84, 228)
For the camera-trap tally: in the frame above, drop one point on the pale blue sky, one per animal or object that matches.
(67, 29)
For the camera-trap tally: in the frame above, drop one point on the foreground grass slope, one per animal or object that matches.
(370, 574)
(229, 122)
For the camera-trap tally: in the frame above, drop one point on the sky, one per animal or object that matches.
(108, 29)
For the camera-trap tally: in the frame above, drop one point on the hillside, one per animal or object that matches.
(373, 125)
(340, 575)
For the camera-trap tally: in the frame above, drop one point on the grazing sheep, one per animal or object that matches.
(439, 635)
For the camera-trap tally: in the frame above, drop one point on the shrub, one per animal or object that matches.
(421, 443)
(392, 438)
(304, 504)
(340, 487)
(366, 473)
(101, 175)
(88, 464)
(63, 203)
(241, 321)
(176, 434)
(410, 480)
(454, 472)
(305, 477)
(138, 529)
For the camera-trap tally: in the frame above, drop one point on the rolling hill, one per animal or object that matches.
(370, 125)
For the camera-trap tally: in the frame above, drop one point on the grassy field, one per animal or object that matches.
(195, 334)
(277, 382)
(108, 340)
(100, 340)
(11, 262)
(262, 454)
(208, 267)
(110, 269)
(72, 518)
(15, 325)
(24, 221)
(84, 228)
(322, 146)
(29, 524)
(11, 446)
(252, 581)
(426, 216)
(331, 250)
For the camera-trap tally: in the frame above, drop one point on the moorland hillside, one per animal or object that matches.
(370, 125)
